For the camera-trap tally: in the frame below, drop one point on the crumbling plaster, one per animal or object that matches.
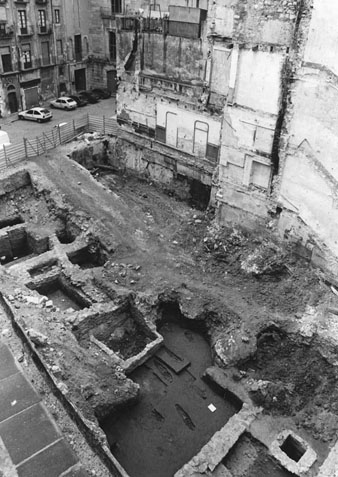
(263, 79)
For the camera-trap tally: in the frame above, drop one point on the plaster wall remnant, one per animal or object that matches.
(238, 86)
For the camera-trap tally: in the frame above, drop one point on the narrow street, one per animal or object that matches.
(17, 130)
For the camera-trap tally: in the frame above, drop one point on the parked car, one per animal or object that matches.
(91, 97)
(80, 101)
(64, 103)
(103, 93)
(36, 114)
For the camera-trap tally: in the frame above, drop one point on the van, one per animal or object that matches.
(4, 139)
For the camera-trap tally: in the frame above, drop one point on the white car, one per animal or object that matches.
(36, 114)
(64, 103)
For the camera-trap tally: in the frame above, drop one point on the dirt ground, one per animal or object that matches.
(237, 282)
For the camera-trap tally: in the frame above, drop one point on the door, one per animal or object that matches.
(80, 79)
(171, 129)
(12, 102)
(31, 97)
(111, 81)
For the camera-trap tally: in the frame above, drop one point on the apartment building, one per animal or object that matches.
(51, 47)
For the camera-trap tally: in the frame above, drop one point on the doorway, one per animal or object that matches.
(111, 81)
(80, 79)
(12, 99)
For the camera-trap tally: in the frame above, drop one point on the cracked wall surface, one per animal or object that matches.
(239, 86)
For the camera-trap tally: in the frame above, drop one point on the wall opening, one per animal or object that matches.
(293, 448)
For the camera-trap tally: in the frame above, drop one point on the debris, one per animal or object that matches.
(37, 338)
(6, 333)
(63, 387)
(334, 290)
(34, 300)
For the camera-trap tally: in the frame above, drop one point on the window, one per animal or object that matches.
(26, 56)
(116, 6)
(57, 15)
(6, 59)
(59, 49)
(23, 22)
(61, 70)
(42, 21)
(112, 45)
(45, 53)
(78, 47)
(2, 29)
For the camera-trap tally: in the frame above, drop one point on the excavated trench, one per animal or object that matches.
(63, 296)
(96, 158)
(177, 411)
(294, 377)
(249, 458)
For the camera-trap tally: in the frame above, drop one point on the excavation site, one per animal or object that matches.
(178, 346)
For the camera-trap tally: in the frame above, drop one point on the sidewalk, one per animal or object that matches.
(31, 445)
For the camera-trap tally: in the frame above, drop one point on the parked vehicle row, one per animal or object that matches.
(68, 103)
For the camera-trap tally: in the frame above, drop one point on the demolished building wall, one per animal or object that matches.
(239, 87)
(308, 189)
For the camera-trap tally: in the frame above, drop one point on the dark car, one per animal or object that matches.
(89, 96)
(103, 93)
(80, 101)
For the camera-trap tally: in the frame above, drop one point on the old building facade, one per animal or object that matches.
(51, 47)
(241, 95)
(211, 79)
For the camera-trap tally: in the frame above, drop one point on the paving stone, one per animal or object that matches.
(16, 394)
(51, 462)
(28, 432)
(8, 366)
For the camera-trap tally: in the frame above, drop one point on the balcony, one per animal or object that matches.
(45, 30)
(159, 25)
(26, 31)
(127, 22)
(6, 32)
(30, 65)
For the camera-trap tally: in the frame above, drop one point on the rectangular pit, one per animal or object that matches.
(16, 243)
(293, 448)
(172, 420)
(250, 458)
(43, 269)
(63, 295)
(122, 333)
(122, 330)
